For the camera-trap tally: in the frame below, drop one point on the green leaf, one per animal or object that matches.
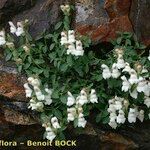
(69, 60)
(8, 56)
(46, 73)
(58, 114)
(58, 25)
(63, 67)
(52, 46)
(119, 40)
(39, 61)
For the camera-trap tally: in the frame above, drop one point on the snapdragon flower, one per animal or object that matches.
(83, 98)
(93, 96)
(2, 38)
(106, 72)
(48, 99)
(121, 117)
(115, 72)
(134, 93)
(147, 101)
(141, 85)
(34, 105)
(55, 123)
(79, 49)
(71, 36)
(64, 39)
(132, 115)
(65, 8)
(71, 114)
(70, 99)
(127, 68)
(28, 90)
(50, 135)
(125, 84)
(19, 30)
(120, 63)
(133, 77)
(12, 27)
(141, 115)
(81, 121)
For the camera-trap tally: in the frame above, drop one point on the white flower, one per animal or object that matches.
(71, 114)
(71, 49)
(118, 105)
(93, 97)
(132, 115)
(113, 117)
(134, 94)
(127, 68)
(30, 79)
(40, 96)
(120, 63)
(121, 118)
(28, 90)
(125, 84)
(63, 38)
(83, 98)
(113, 124)
(50, 135)
(71, 36)
(2, 38)
(111, 108)
(39, 106)
(35, 82)
(144, 70)
(20, 29)
(65, 8)
(70, 99)
(55, 123)
(106, 72)
(79, 49)
(133, 77)
(81, 121)
(141, 85)
(147, 101)
(26, 49)
(141, 115)
(48, 99)
(12, 27)
(115, 72)
(147, 89)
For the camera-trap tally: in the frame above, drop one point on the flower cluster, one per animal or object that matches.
(19, 30)
(51, 128)
(135, 77)
(75, 110)
(39, 97)
(74, 46)
(118, 108)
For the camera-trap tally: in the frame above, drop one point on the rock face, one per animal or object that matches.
(100, 19)
(140, 19)
(103, 18)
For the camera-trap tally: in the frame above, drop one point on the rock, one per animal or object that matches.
(11, 83)
(8, 9)
(103, 19)
(139, 15)
(45, 14)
